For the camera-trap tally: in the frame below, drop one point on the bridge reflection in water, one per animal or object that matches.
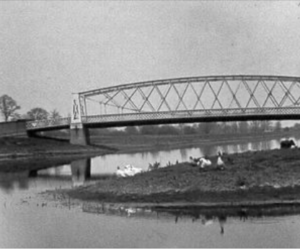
(73, 174)
(81, 171)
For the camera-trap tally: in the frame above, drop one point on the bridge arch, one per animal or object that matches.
(190, 99)
(210, 98)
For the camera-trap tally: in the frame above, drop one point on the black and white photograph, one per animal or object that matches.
(149, 124)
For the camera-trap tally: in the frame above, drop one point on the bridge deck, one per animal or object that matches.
(171, 117)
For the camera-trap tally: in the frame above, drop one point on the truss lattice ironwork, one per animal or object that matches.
(184, 98)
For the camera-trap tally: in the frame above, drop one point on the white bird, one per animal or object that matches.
(136, 170)
(220, 162)
(194, 161)
(128, 170)
(204, 163)
(120, 173)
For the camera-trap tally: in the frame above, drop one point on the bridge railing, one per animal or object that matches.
(214, 113)
(145, 116)
(36, 124)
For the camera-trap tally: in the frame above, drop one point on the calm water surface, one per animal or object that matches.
(28, 220)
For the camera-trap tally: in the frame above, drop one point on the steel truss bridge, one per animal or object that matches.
(183, 100)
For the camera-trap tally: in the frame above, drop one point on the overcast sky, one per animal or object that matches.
(49, 49)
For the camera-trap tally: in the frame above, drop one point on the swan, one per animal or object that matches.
(128, 170)
(204, 162)
(120, 173)
(135, 170)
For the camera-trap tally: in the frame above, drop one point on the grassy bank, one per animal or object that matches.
(249, 177)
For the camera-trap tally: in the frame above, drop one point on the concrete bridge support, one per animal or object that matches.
(79, 134)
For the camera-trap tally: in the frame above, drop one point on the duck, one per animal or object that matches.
(220, 162)
(194, 161)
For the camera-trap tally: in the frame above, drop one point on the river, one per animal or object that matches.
(28, 220)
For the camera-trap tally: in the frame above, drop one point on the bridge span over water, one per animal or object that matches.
(180, 100)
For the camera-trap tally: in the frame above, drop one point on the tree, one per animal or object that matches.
(266, 126)
(167, 130)
(149, 130)
(131, 130)
(188, 130)
(234, 128)
(243, 127)
(205, 128)
(278, 126)
(8, 107)
(255, 126)
(54, 114)
(225, 128)
(16, 116)
(37, 114)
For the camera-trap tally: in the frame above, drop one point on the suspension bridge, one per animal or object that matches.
(179, 100)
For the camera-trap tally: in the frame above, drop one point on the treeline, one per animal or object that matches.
(253, 127)
(9, 111)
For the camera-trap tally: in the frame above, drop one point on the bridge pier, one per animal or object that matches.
(79, 135)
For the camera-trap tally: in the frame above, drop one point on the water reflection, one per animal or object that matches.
(206, 216)
(81, 171)
(11, 181)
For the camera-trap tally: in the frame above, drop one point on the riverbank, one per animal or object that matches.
(143, 143)
(12, 148)
(250, 177)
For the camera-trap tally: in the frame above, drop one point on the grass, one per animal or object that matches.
(248, 176)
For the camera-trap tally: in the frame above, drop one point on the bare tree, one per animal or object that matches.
(8, 107)
(54, 114)
(16, 116)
